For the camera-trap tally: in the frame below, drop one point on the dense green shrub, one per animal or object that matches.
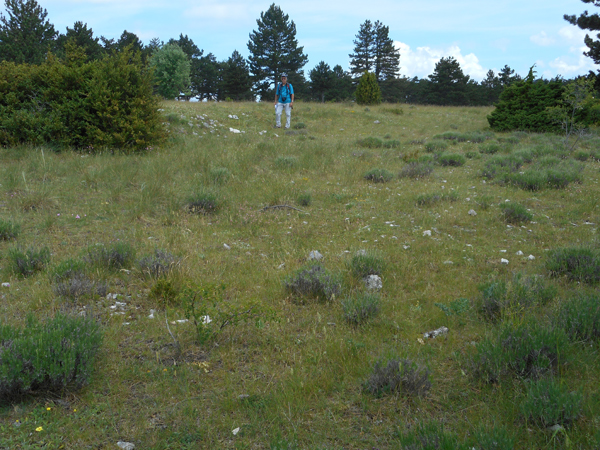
(28, 262)
(498, 298)
(158, 264)
(432, 199)
(579, 316)
(576, 263)
(359, 308)
(299, 125)
(523, 105)
(87, 105)
(304, 199)
(368, 91)
(313, 281)
(54, 356)
(416, 170)
(69, 280)
(365, 263)
(497, 166)
(370, 142)
(515, 213)
(379, 175)
(114, 256)
(451, 159)
(398, 375)
(203, 202)
(391, 143)
(490, 149)
(436, 146)
(528, 349)
(549, 402)
(8, 230)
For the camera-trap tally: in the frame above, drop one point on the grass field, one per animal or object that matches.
(464, 226)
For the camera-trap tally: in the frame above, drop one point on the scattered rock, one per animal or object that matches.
(448, 262)
(125, 445)
(235, 431)
(233, 116)
(504, 261)
(243, 396)
(151, 316)
(315, 256)
(472, 212)
(531, 257)
(226, 247)
(435, 333)
(377, 121)
(5, 284)
(373, 282)
(519, 253)
(427, 233)
(555, 428)
(361, 252)
(234, 131)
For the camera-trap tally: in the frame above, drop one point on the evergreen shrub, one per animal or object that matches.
(370, 142)
(28, 262)
(304, 199)
(436, 146)
(54, 356)
(576, 263)
(359, 308)
(8, 230)
(379, 175)
(526, 349)
(313, 281)
(158, 264)
(368, 91)
(398, 375)
(112, 257)
(105, 103)
(579, 316)
(364, 264)
(451, 159)
(515, 213)
(549, 402)
(69, 280)
(203, 202)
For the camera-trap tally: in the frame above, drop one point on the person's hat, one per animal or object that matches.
(284, 75)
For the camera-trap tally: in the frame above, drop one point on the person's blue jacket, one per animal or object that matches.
(284, 93)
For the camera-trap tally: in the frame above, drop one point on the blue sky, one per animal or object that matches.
(481, 35)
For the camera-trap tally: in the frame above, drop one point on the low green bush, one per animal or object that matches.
(379, 175)
(436, 146)
(113, 257)
(528, 349)
(28, 262)
(398, 376)
(432, 199)
(313, 281)
(69, 280)
(370, 142)
(582, 156)
(8, 230)
(576, 263)
(451, 159)
(304, 199)
(515, 213)
(365, 263)
(431, 436)
(579, 317)
(203, 202)
(51, 357)
(158, 264)
(299, 125)
(359, 308)
(392, 143)
(549, 402)
(416, 170)
(490, 149)
(499, 298)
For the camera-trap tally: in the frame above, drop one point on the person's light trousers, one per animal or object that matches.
(288, 114)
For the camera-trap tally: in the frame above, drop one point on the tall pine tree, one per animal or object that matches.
(236, 82)
(25, 35)
(374, 51)
(273, 50)
(588, 22)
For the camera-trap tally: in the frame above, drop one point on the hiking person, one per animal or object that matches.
(284, 98)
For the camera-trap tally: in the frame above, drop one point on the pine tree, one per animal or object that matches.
(207, 77)
(236, 82)
(588, 22)
(81, 36)
(321, 80)
(448, 83)
(342, 84)
(367, 91)
(25, 35)
(387, 57)
(374, 51)
(273, 50)
(362, 60)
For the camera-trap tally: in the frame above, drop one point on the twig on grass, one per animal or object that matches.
(283, 206)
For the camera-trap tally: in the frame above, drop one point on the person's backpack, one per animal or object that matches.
(281, 94)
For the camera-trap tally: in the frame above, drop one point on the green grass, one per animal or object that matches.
(284, 363)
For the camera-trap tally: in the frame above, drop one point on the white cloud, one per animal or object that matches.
(542, 39)
(421, 62)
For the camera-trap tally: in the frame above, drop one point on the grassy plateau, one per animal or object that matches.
(220, 328)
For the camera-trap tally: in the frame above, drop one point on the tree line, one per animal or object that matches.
(183, 70)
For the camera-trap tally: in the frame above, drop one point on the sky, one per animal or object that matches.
(480, 35)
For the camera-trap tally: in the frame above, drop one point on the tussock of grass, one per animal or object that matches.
(379, 175)
(398, 376)
(313, 282)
